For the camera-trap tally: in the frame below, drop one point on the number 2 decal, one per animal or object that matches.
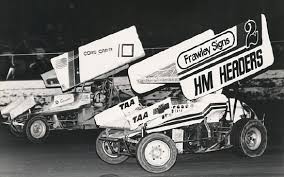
(252, 33)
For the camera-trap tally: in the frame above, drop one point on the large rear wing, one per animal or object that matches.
(98, 59)
(207, 62)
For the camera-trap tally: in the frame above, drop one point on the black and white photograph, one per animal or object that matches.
(185, 88)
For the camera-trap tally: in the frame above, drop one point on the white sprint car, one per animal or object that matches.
(207, 120)
(156, 134)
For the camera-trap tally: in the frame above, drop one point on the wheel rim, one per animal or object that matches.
(38, 129)
(107, 149)
(253, 138)
(157, 153)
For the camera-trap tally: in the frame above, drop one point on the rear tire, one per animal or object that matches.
(37, 129)
(156, 153)
(105, 151)
(249, 136)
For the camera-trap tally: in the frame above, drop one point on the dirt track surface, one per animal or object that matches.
(72, 154)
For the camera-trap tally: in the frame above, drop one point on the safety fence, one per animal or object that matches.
(29, 66)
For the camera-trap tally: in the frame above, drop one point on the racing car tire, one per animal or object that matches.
(249, 137)
(37, 129)
(104, 152)
(156, 153)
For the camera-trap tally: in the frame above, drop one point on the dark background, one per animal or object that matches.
(66, 24)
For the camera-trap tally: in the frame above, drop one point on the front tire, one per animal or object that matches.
(249, 137)
(37, 129)
(156, 153)
(108, 151)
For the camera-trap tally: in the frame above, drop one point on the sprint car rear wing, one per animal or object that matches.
(98, 59)
(207, 62)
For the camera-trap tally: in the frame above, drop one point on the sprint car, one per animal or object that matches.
(156, 134)
(206, 120)
(35, 116)
(88, 86)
